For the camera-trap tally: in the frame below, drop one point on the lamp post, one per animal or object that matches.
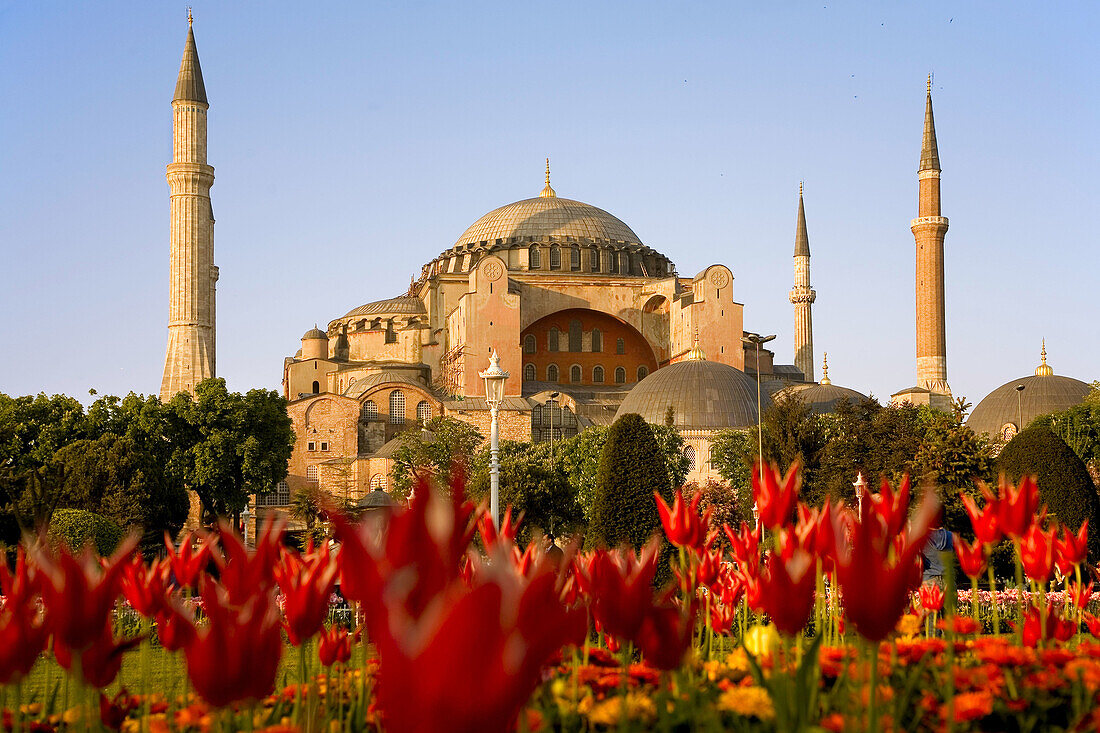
(860, 485)
(1019, 408)
(245, 516)
(494, 378)
(553, 397)
(755, 338)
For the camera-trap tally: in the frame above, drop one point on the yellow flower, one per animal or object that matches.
(762, 640)
(737, 664)
(909, 625)
(563, 697)
(747, 701)
(638, 707)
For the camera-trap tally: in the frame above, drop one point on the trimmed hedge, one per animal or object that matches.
(1064, 482)
(632, 468)
(77, 527)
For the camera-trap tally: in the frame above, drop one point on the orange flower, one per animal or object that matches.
(972, 706)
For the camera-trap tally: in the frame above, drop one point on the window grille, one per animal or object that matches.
(397, 407)
(620, 375)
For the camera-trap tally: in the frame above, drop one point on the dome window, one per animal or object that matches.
(620, 346)
(369, 411)
(397, 407)
(552, 373)
(529, 373)
(620, 375)
(594, 259)
(535, 259)
(423, 412)
(555, 257)
(575, 258)
(554, 340)
(597, 340)
(614, 269)
(597, 374)
(689, 454)
(575, 374)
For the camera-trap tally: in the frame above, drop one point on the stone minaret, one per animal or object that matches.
(803, 296)
(929, 229)
(189, 358)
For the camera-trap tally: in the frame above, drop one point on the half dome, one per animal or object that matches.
(703, 394)
(544, 217)
(401, 305)
(823, 398)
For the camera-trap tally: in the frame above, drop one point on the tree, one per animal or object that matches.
(952, 458)
(721, 499)
(1064, 483)
(733, 453)
(28, 499)
(32, 429)
(671, 445)
(1079, 427)
(227, 445)
(529, 484)
(431, 452)
(76, 527)
(631, 471)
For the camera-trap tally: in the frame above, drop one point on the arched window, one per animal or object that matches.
(423, 412)
(378, 482)
(552, 373)
(316, 387)
(594, 259)
(624, 263)
(529, 373)
(535, 260)
(643, 372)
(369, 411)
(689, 453)
(575, 374)
(620, 346)
(529, 344)
(575, 258)
(555, 257)
(614, 257)
(620, 375)
(575, 336)
(597, 374)
(397, 407)
(597, 340)
(553, 344)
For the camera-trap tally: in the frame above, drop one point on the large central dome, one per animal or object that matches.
(548, 216)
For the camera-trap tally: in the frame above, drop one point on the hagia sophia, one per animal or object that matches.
(589, 321)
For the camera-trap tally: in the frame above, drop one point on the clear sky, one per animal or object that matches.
(355, 141)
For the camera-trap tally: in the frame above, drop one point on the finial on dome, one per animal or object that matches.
(825, 370)
(696, 354)
(547, 192)
(190, 18)
(1044, 369)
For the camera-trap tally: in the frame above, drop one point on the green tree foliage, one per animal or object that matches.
(631, 471)
(1079, 427)
(952, 457)
(32, 429)
(112, 476)
(733, 453)
(1064, 483)
(76, 527)
(671, 446)
(229, 445)
(431, 451)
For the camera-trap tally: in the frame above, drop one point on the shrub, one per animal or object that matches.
(1064, 483)
(76, 527)
(624, 511)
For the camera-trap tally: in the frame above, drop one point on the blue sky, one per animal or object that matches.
(353, 142)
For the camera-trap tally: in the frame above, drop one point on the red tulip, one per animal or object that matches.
(1037, 554)
(987, 522)
(187, 562)
(620, 586)
(144, 586)
(79, 592)
(876, 580)
(1055, 628)
(682, 523)
(114, 711)
(23, 632)
(744, 546)
(1080, 594)
(787, 590)
(509, 527)
(244, 572)
(892, 507)
(665, 635)
(722, 616)
(1018, 507)
(307, 585)
(971, 557)
(1092, 623)
(334, 646)
(235, 656)
(101, 661)
(710, 566)
(1072, 549)
(931, 597)
(775, 495)
(175, 625)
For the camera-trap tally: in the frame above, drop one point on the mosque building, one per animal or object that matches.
(589, 321)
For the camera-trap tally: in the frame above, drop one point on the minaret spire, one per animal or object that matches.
(190, 355)
(929, 230)
(802, 296)
(547, 192)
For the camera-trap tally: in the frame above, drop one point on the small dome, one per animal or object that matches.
(1041, 394)
(401, 305)
(822, 398)
(314, 333)
(548, 216)
(703, 394)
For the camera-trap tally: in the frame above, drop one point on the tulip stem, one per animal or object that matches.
(872, 715)
(993, 595)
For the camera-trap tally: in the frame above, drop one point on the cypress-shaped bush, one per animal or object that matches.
(1064, 482)
(632, 468)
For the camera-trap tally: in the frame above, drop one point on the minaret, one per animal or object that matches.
(803, 296)
(929, 229)
(189, 358)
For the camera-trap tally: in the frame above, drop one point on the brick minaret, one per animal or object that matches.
(803, 296)
(189, 358)
(929, 229)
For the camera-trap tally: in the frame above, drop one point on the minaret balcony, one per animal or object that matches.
(922, 221)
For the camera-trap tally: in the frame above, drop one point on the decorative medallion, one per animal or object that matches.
(719, 277)
(493, 270)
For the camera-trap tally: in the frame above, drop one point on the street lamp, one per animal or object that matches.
(245, 516)
(755, 338)
(860, 485)
(1019, 408)
(553, 396)
(494, 378)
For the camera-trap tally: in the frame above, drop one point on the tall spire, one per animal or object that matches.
(1044, 370)
(189, 86)
(801, 236)
(929, 154)
(547, 192)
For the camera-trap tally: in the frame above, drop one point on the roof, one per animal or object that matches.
(377, 499)
(702, 394)
(929, 152)
(801, 236)
(512, 404)
(1041, 395)
(367, 383)
(543, 217)
(189, 86)
(401, 305)
(314, 333)
(823, 398)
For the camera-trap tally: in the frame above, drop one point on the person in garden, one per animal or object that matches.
(939, 540)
